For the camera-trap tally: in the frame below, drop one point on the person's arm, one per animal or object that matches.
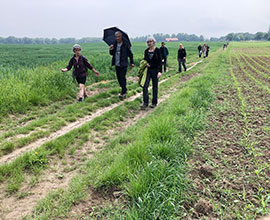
(69, 66)
(167, 51)
(130, 55)
(146, 58)
(185, 54)
(159, 61)
(112, 50)
(86, 63)
(89, 66)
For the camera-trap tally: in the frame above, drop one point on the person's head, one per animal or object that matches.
(200, 45)
(151, 42)
(77, 49)
(180, 46)
(118, 37)
(162, 44)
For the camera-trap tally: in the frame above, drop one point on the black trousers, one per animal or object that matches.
(121, 73)
(164, 64)
(151, 74)
(182, 62)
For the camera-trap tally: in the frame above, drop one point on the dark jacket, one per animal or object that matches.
(156, 61)
(199, 48)
(181, 53)
(125, 52)
(164, 52)
(80, 68)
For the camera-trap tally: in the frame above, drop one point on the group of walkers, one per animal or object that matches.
(120, 51)
(225, 45)
(203, 50)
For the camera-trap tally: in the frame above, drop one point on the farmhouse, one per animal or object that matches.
(172, 39)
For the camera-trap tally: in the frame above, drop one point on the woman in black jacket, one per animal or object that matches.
(154, 63)
(80, 65)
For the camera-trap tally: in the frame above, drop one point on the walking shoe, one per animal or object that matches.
(143, 107)
(122, 96)
(80, 100)
(153, 106)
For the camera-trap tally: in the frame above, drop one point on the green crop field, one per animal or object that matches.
(203, 153)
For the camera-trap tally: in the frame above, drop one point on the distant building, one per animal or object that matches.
(172, 39)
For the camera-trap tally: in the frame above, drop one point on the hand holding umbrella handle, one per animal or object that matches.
(111, 47)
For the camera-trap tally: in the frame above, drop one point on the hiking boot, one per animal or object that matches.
(153, 106)
(144, 106)
(80, 100)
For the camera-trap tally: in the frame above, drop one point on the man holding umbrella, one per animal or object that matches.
(121, 51)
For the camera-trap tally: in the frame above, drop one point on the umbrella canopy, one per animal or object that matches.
(109, 36)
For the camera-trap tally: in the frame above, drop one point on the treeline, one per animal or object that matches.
(264, 36)
(159, 37)
(162, 37)
(27, 40)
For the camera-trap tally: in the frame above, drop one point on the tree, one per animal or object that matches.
(259, 36)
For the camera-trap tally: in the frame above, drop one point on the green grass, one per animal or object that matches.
(31, 75)
(148, 161)
(59, 146)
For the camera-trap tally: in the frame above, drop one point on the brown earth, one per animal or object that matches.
(223, 168)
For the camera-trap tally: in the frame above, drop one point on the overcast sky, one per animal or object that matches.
(87, 18)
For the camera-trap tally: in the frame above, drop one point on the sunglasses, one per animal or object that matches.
(150, 41)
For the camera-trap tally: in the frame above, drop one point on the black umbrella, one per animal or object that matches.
(109, 36)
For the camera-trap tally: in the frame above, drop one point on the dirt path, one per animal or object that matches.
(56, 177)
(18, 152)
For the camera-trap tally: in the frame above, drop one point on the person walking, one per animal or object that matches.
(164, 54)
(80, 65)
(153, 58)
(120, 52)
(200, 50)
(207, 50)
(182, 58)
(204, 49)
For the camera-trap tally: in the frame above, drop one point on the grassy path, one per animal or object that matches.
(34, 182)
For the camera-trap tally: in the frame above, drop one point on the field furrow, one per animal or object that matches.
(253, 67)
(259, 83)
(230, 168)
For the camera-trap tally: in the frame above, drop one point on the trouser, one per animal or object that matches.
(151, 74)
(207, 53)
(200, 53)
(204, 54)
(121, 73)
(164, 64)
(182, 62)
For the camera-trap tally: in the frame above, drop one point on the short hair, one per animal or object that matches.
(118, 32)
(151, 38)
(76, 46)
